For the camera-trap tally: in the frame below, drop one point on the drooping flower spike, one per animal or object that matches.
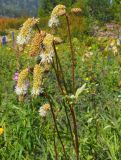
(59, 10)
(21, 88)
(36, 44)
(24, 34)
(37, 80)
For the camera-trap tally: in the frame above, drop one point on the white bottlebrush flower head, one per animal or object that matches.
(25, 31)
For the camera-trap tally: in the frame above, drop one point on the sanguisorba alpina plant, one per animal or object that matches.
(43, 45)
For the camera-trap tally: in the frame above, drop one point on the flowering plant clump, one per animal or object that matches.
(113, 46)
(43, 49)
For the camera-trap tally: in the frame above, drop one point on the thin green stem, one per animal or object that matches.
(55, 147)
(58, 61)
(71, 132)
(72, 53)
(75, 131)
(58, 80)
(55, 123)
(71, 110)
(59, 65)
(73, 81)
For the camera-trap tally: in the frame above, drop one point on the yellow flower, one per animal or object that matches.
(86, 79)
(46, 106)
(1, 131)
(56, 48)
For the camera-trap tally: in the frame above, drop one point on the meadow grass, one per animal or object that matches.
(27, 136)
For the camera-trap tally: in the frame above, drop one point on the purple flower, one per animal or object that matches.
(15, 77)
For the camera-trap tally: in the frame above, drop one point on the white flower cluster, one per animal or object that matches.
(47, 53)
(21, 90)
(53, 22)
(43, 110)
(47, 57)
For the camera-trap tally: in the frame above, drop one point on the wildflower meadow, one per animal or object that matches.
(60, 85)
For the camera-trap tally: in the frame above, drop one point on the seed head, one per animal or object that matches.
(76, 10)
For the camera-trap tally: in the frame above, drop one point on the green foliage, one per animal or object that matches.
(28, 136)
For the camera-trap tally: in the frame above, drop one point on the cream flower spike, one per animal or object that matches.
(21, 87)
(37, 80)
(25, 31)
(48, 53)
